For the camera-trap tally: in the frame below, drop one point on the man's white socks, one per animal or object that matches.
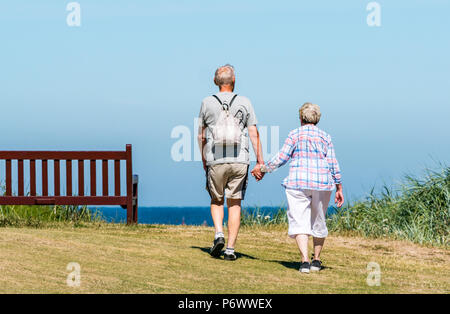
(219, 235)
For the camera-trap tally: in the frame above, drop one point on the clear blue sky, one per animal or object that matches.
(134, 70)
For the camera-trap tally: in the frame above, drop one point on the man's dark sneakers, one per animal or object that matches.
(304, 267)
(316, 265)
(216, 249)
(229, 256)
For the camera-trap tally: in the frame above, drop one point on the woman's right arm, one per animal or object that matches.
(282, 156)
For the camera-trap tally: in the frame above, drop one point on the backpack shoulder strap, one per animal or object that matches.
(218, 99)
(222, 104)
(231, 102)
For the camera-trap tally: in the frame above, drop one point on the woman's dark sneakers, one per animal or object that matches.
(217, 247)
(316, 265)
(304, 267)
(229, 256)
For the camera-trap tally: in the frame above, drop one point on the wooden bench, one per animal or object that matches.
(129, 201)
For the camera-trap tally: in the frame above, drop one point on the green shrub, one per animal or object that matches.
(38, 216)
(259, 217)
(416, 210)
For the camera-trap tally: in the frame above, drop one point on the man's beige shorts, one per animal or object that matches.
(227, 179)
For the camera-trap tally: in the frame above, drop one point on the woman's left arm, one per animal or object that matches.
(335, 173)
(333, 163)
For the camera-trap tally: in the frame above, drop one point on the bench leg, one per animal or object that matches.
(130, 212)
(132, 203)
(135, 201)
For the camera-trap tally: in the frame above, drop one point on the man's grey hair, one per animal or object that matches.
(224, 75)
(310, 113)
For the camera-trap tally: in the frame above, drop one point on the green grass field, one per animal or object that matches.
(173, 259)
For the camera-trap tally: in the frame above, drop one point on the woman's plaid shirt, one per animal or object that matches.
(313, 162)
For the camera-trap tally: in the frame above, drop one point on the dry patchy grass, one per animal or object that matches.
(173, 259)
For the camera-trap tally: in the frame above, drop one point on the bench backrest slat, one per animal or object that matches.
(56, 178)
(8, 177)
(33, 177)
(81, 177)
(93, 168)
(105, 177)
(69, 177)
(52, 155)
(20, 189)
(116, 177)
(44, 177)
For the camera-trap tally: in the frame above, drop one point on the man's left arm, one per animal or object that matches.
(257, 148)
(256, 142)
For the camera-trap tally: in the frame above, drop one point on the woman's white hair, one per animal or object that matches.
(224, 75)
(310, 113)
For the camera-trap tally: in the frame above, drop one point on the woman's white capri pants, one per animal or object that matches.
(306, 212)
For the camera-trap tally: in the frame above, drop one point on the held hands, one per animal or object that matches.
(257, 173)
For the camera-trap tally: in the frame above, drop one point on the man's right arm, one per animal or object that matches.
(202, 143)
(202, 134)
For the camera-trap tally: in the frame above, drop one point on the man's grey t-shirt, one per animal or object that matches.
(241, 109)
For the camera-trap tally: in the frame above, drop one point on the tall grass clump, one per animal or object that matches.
(418, 209)
(259, 217)
(39, 216)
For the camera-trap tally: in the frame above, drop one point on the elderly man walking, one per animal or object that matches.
(226, 121)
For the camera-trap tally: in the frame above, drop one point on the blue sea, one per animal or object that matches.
(174, 215)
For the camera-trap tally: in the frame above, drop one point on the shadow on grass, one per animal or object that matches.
(295, 265)
(291, 265)
(238, 255)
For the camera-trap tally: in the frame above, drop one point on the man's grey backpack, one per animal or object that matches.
(226, 131)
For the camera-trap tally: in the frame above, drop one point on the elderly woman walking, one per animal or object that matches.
(314, 173)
